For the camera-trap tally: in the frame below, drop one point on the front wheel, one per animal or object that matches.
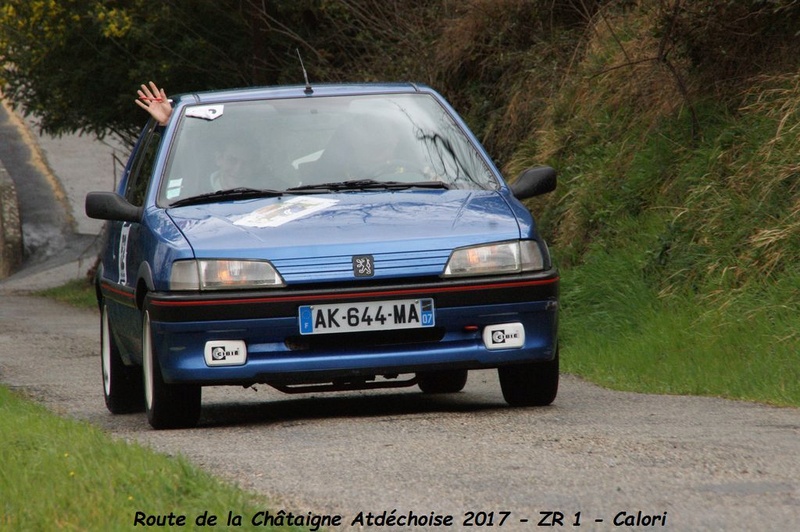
(169, 406)
(122, 385)
(530, 384)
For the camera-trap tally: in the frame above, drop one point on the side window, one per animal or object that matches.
(142, 167)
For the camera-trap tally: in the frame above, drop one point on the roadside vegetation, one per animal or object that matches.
(62, 474)
(677, 219)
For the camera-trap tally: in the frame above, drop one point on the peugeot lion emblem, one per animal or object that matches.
(363, 266)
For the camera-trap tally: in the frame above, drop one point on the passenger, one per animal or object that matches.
(235, 161)
(236, 165)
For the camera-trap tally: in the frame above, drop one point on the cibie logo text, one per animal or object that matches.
(501, 336)
(220, 353)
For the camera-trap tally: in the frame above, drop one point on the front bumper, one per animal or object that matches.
(267, 324)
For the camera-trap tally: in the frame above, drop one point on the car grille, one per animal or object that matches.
(340, 267)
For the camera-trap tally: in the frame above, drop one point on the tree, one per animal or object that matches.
(75, 64)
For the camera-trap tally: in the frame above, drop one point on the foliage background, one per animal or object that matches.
(674, 126)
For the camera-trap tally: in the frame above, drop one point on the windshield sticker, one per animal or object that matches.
(206, 112)
(285, 211)
(174, 188)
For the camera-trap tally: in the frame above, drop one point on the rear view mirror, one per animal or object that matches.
(534, 181)
(111, 206)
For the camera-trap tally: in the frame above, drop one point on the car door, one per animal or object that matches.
(124, 253)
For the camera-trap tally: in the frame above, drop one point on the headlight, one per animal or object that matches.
(504, 257)
(223, 275)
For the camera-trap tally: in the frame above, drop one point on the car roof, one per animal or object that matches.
(297, 91)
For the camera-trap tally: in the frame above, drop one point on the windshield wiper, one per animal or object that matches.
(399, 185)
(371, 184)
(237, 193)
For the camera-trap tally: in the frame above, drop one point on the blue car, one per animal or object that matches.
(338, 237)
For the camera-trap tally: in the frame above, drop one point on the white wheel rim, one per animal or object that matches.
(147, 361)
(105, 351)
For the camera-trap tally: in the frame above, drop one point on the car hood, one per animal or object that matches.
(320, 230)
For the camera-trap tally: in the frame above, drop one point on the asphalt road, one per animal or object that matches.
(595, 456)
(704, 463)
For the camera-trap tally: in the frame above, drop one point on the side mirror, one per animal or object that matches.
(534, 181)
(111, 206)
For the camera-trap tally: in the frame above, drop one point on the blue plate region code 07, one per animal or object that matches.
(366, 316)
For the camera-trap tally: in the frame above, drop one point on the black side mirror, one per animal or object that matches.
(534, 181)
(111, 206)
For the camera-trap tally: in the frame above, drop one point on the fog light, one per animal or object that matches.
(225, 353)
(504, 336)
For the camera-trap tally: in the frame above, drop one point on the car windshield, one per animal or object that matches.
(310, 142)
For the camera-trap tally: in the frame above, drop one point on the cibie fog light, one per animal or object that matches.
(489, 259)
(223, 275)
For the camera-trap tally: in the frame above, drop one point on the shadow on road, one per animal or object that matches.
(309, 408)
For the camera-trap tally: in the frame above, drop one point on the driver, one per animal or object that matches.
(370, 149)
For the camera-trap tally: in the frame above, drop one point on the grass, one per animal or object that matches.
(624, 327)
(59, 473)
(79, 293)
(618, 332)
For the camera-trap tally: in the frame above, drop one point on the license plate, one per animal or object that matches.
(370, 316)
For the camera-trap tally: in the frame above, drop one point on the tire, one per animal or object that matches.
(532, 384)
(168, 406)
(443, 381)
(122, 385)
